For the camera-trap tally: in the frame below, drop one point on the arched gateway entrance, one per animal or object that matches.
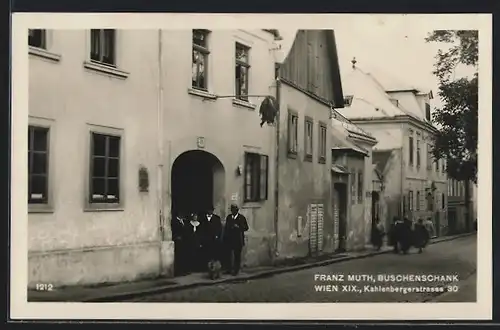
(197, 182)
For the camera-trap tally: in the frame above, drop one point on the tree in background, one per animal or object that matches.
(457, 119)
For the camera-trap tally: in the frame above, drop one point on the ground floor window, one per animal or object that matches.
(256, 177)
(105, 169)
(38, 163)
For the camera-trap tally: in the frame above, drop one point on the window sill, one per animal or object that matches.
(244, 104)
(45, 54)
(292, 154)
(106, 69)
(40, 208)
(202, 93)
(308, 158)
(322, 160)
(103, 208)
(252, 205)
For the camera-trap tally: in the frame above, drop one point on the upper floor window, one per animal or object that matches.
(105, 169)
(256, 177)
(410, 150)
(418, 153)
(429, 157)
(360, 187)
(428, 111)
(102, 46)
(322, 143)
(353, 186)
(37, 38)
(410, 200)
(199, 78)
(417, 206)
(308, 137)
(242, 70)
(443, 202)
(38, 163)
(293, 124)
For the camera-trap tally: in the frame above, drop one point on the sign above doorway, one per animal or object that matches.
(200, 142)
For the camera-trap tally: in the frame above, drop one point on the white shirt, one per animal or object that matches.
(209, 217)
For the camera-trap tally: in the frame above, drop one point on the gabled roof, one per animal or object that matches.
(370, 97)
(380, 160)
(342, 142)
(283, 57)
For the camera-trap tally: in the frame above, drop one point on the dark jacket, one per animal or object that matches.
(234, 230)
(421, 235)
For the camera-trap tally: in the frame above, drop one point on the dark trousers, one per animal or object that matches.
(233, 260)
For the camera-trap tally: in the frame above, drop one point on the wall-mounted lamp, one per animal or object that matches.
(239, 170)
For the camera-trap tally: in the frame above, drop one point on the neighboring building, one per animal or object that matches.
(399, 118)
(351, 184)
(144, 111)
(310, 86)
(457, 215)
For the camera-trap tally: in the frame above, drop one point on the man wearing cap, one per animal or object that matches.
(234, 238)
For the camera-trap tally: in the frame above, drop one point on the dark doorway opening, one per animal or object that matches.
(452, 221)
(197, 185)
(341, 196)
(196, 182)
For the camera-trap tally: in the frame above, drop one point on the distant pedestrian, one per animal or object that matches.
(394, 234)
(234, 239)
(421, 235)
(378, 234)
(406, 235)
(181, 248)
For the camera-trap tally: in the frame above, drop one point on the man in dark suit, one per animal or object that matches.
(211, 228)
(234, 238)
(179, 236)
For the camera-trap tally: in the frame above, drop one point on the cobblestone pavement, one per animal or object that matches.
(456, 257)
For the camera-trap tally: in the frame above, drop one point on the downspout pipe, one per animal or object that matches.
(159, 176)
(401, 206)
(277, 162)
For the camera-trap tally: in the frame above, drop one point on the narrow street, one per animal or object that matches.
(455, 257)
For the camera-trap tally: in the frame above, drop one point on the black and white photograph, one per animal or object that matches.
(208, 159)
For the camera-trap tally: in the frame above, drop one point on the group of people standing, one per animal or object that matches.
(402, 235)
(202, 238)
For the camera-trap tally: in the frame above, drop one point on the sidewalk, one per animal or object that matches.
(122, 291)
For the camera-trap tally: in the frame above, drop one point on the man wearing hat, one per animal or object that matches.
(234, 238)
(211, 229)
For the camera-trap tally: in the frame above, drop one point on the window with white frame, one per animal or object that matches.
(308, 138)
(201, 52)
(256, 177)
(360, 187)
(293, 130)
(242, 70)
(38, 165)
(103, 46)
(104, 169)
(322, 143)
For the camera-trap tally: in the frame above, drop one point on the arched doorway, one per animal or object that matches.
(197, 182)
